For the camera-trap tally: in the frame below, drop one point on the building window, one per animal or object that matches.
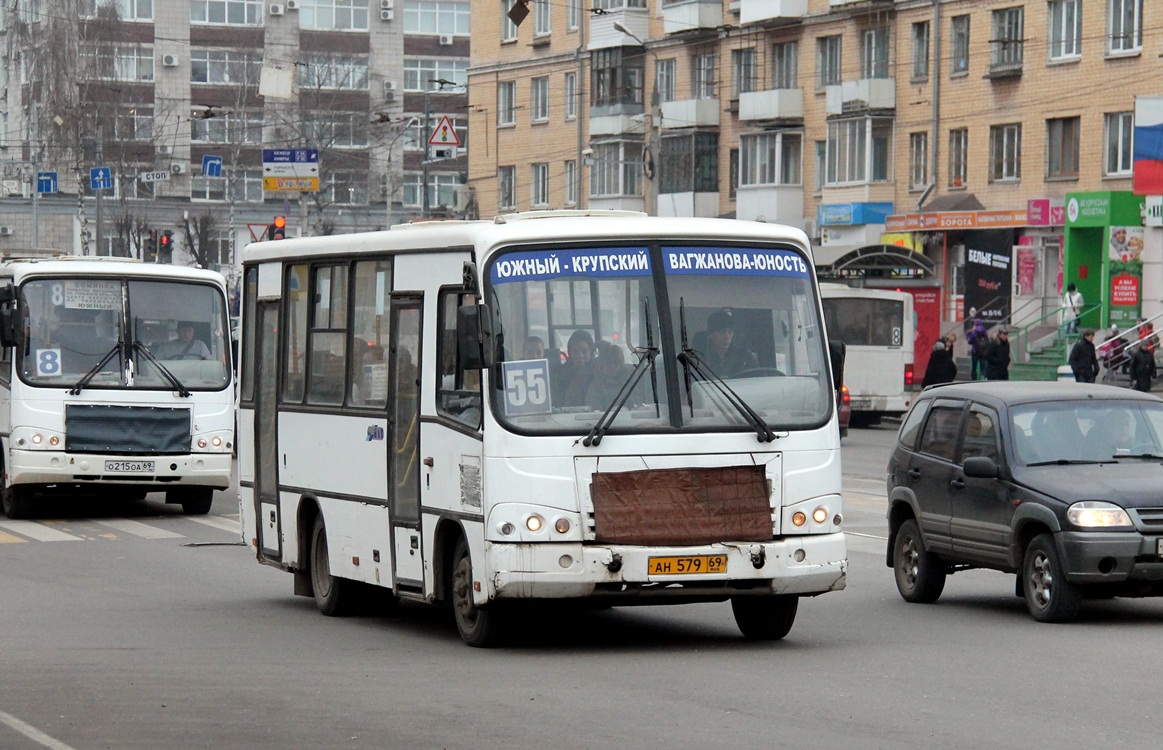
(1007, 39)
(1126, 25)
(704, 76)
(227, 12)
(507, 103)
(616, 169)
(541, 25)
(333, 72)
(1062, 139)
(225, 66)
(918, 160)
(331, 129)
(828, 61)
(1120, 131)
(1065, 29)
(333, 15)
(960, 33)
(772, 158)
(539, 185)
(506, 187)
(345, 188)
(436, 17)
(508, 28)
(920, 50)
(859, 150)
(874, 53)
(127, 10)
(539, 99)
(123, 63)
(572, 14)
(689, 163)
(1005, 152)
(733, 175)
(958, 157)
(821, 163)
(571, 183)
(570, 89)
(617, 79)
(441, 189)
(232, 127)
(743, 67)
(785, 66)
(664, 80)
(420, 73)
(133, 123)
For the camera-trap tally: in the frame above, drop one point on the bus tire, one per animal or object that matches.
(196, 501)
(480, 628)
(765, 618)
(334, 596)
(16, 502)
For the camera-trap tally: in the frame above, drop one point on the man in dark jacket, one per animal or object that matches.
(1083, 359)
(941, 367)
(1142, 369)
(997, 357)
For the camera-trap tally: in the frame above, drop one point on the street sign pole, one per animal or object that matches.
(100, 194)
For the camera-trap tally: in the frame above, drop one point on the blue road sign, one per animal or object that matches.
(290, 155)
(46, 182)
(100, 178)
(211, 166)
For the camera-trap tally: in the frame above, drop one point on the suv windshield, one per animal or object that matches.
(572, 323)
(71, 325)
(1092, 430)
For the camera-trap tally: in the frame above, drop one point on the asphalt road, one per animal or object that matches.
(144, 628)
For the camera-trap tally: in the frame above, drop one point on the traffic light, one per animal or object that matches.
(150, 253)
(166, 246)
(277, 229)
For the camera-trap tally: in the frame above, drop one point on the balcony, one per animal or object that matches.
(705, 205)
(780, 204)
(864, 94)
(616, 120)
(757, 11)
(688, 15)
(690, 113)
(774, 104)
(603, 35)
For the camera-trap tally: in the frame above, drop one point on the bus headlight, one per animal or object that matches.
(533, 523)
(37, 439)
(561, 525)
(819, 515)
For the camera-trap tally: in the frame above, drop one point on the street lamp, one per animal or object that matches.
(650, 158)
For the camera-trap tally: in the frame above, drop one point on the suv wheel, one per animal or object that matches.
(920, 575)
(1049, 596)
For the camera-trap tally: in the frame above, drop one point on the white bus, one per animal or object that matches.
(116, 381)
(878, 330)
(422, 410)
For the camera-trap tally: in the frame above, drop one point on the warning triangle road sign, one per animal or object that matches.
(444, 134)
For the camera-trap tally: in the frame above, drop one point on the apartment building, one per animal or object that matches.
(909, 138)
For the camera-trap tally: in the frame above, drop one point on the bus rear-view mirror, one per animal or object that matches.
(9, 317)
(474, 337)
(837, 350)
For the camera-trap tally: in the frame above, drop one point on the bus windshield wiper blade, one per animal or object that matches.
(690, 357)
(88, 377)
(646, 357)
(182, 390)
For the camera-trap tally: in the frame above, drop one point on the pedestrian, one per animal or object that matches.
(1142, 369)
(978, 340)
(1071, 307)
(1113, 352)
(941, 367)
(1083, 360)
(997, 357)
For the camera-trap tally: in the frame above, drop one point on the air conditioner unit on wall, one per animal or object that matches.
(177, 168)
(387, 4)
(389, 86)
(5, 231)
(169, 61)
(387, 14)
(165, 149)
(276, 9)
(291, 4)
(446, 39)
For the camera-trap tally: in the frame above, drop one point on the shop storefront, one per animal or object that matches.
(1104, 254)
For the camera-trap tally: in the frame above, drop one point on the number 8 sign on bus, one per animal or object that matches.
(527, 387)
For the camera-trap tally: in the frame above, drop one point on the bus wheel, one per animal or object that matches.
(195, 501)
(334, 596)
(478, 627)
(16, 502)
(765, 618)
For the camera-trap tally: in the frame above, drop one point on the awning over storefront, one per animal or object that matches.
(833, 259)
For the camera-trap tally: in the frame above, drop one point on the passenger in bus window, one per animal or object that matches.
(724, 355)
(185, 346)
(610, 373)
(534, 348)
(574, 376)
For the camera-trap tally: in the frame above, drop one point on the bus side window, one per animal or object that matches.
(458, 391)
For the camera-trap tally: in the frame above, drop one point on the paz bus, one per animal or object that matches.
(484, 413)
(115, 381)
(878, 331)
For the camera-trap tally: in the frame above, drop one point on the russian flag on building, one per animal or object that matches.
(1148, 145)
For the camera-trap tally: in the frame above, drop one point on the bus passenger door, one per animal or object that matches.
(404, 425)
(266, 448)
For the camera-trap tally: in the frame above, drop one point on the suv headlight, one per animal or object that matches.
(1096, 514)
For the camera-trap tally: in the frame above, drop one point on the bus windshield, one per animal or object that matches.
(729, 325)
(134, 333)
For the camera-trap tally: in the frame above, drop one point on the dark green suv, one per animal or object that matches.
(1060, 483)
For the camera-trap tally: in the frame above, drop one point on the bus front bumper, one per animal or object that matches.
(166, 472)
(800, 565)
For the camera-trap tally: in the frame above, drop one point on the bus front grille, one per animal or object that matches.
(126, 430)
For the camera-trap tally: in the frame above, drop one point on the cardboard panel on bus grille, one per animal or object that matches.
(681, 506)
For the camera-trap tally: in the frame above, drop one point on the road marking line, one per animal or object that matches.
(867, 536)
(39, 532)
(33, 733)
(218, 522)
(9, 539)
(143, 530)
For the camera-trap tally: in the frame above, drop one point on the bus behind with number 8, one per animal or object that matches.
(591, 406)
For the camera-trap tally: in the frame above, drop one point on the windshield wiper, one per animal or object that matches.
(1070, 462)
(650, 345)
(88, 377)
(182, 390)
(646, 357)
(762, 432)
(686, 369)
(1138, 455)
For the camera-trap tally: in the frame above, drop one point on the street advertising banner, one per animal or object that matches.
(1126, 275)
(927, 312)
(988, 271)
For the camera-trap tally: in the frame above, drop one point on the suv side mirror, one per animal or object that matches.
(981, 467)
(474, 337)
